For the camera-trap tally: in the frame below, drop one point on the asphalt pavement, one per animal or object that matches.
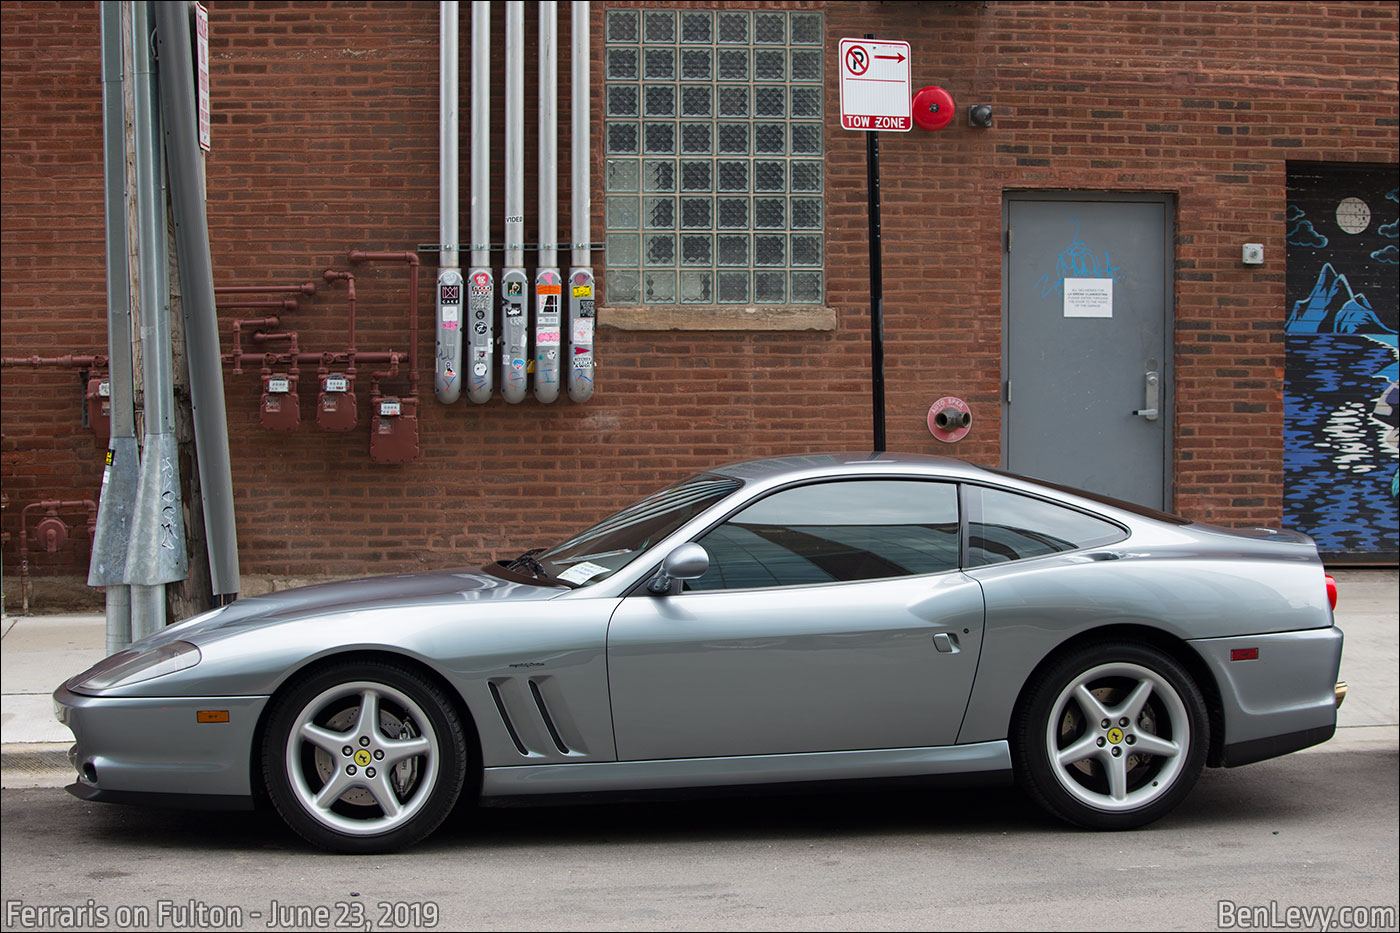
(39, 652)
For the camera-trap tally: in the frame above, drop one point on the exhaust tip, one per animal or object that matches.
(1341, 692)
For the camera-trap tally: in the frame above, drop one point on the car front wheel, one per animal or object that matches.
(1112, 736)
(364, 757)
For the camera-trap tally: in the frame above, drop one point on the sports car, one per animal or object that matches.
(785, 621)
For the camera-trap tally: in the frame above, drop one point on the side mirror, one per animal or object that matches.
(687, 562)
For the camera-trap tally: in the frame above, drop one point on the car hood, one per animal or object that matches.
(408, 591)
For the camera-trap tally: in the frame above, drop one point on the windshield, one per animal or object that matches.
(614, 542)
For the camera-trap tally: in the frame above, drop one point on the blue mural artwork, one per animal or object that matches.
(1341, 397)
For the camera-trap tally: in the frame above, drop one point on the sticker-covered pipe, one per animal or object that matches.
(515, 285)
(548, 284)
(580, 286)
(447, 382)
(480, 318)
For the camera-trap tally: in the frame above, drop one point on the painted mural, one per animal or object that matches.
(1340, 396)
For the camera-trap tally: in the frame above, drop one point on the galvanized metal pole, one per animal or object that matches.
(481, 284)
(107, 567)
(447, 384)
(515, 285)
(156, 552)
(580, 285)
(548, 285)
(177, 86)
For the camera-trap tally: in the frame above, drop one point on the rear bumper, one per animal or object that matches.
(157, 748)
(1281, 701)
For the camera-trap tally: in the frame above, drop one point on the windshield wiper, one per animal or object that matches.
(528, 562)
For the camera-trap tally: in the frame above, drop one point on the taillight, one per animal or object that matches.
(1332, 591)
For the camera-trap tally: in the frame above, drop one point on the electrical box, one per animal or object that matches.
(393, 429)
(281, 408)
(99, 406)
(335, 406)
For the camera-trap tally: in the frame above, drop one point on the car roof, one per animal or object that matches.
(825, 464)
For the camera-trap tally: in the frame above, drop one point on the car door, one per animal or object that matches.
(833, 617)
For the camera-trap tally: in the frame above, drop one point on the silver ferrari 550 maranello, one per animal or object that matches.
(794, 620)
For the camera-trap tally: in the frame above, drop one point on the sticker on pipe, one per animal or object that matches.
(583, 330)
(949, 419)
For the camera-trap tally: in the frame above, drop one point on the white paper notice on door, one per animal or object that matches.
(1088, 298)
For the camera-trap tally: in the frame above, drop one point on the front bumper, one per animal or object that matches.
(157, 749)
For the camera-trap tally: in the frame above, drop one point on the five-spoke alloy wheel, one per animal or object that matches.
(364, 757)
(1111, 736)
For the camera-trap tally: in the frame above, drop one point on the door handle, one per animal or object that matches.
(948, 644)
(1153, 393)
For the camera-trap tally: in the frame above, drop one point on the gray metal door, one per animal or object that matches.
(1087, 366)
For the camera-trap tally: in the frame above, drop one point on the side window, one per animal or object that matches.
(1006, 526)
(838, 531)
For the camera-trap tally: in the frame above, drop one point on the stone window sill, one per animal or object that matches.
(711, 317)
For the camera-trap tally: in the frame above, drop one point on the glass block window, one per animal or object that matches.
(714, 140)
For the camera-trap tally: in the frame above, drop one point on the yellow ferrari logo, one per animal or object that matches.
(1115, 735)
(362, 757)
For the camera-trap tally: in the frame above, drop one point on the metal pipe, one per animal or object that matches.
(71, 360)
(515, 302)
(481, 292)
(107, 562)
(197, 290)
(289, 304)
(582, 300)
(305, 288)
(156, 552)
(549, 134)
(335, 275)
(447, 383)
(581, 248)
(313, 358)
(548, 285)
(410, 257)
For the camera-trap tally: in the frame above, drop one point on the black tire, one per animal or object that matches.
(1133, 770)
(351, 784)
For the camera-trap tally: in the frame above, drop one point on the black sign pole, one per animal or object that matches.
(877, 287)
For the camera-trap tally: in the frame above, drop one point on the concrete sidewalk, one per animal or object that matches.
(39, 652)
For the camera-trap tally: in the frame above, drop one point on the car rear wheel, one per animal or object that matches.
(1112, 736)
(364, 757)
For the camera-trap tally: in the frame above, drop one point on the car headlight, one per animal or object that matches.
(135, 667)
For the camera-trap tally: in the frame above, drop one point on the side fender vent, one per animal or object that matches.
(548, 720)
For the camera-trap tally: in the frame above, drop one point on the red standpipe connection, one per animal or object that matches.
(335, 275)
(52, 533)
(410, 257)
(78, 362)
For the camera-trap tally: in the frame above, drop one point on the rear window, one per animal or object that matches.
(1144, 511)
(1005, 526)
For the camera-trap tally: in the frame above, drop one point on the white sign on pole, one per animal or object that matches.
(201, 44)
(875, 85)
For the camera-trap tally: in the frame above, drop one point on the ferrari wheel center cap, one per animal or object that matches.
(1115, 735)
(362, 757)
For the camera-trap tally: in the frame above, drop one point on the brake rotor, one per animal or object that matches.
(404, 773)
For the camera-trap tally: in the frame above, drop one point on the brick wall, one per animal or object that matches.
(325, 138)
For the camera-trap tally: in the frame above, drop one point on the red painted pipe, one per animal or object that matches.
(52, 505)
(79, 362)
(289, 304)
(359, 255)
(305, 288)
(335, 275)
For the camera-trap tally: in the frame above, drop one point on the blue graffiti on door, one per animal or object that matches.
(1078, 261)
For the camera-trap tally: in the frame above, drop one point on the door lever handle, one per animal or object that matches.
(1152, 390)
